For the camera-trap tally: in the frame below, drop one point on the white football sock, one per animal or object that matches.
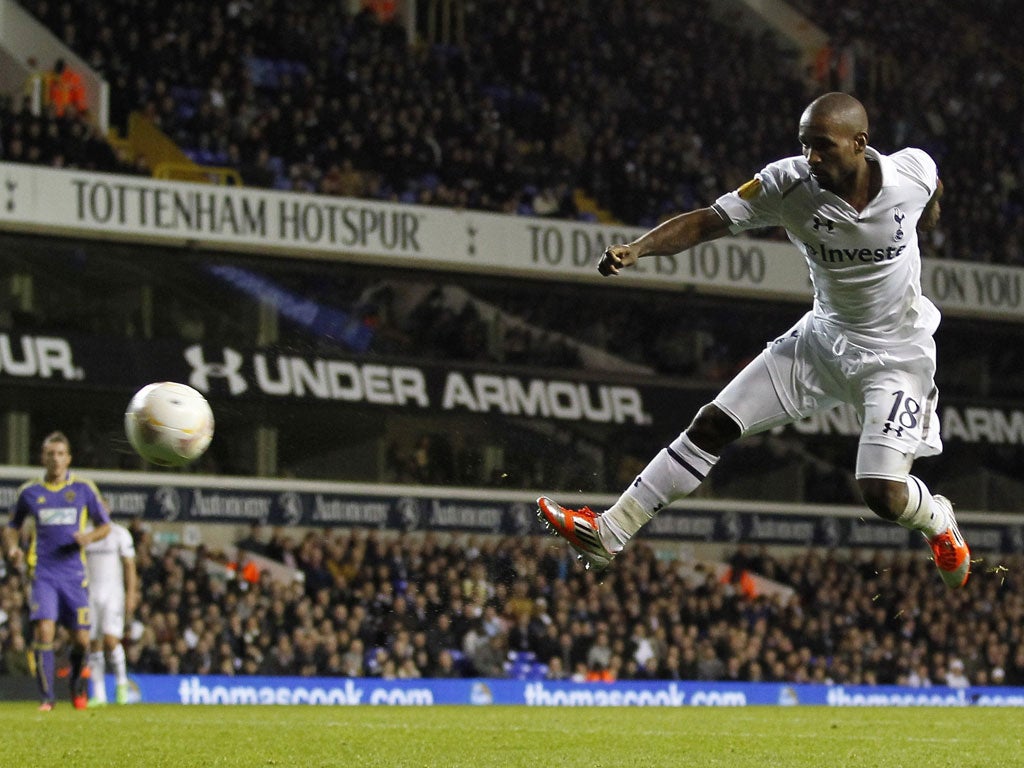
(117, 659)
(921, 514)
(675, 472)
(97, 672)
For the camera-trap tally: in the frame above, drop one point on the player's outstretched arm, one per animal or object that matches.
(677, 234)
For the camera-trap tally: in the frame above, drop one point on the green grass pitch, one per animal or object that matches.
(509, 737)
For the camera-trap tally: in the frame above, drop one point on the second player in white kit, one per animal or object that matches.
(110, 563)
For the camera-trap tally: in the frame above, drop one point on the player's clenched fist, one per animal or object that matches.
(615, 257)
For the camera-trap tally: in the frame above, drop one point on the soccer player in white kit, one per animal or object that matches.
(112, 595)
(867, 341)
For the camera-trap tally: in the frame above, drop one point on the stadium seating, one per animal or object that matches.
(549, 114)
(816, 616)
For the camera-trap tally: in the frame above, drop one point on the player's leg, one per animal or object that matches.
(758, 399)
(97, 676)
(107, 630)
(754, 401)
(97, 661)
(42, 648)
(44, 629)
(74, 614)
(892, 493)
(900, 422)
(80, 672)
(120, 664)
(906, 500)
(675, 472)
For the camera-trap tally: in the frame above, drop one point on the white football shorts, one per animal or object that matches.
(107, 617)
(813, 367)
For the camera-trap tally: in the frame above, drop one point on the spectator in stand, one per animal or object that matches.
(955, 676)
(445, 666)
(254, 540)
(66, 90)
(488, 657)
(599, 655)
(35, 88)
(69, 142)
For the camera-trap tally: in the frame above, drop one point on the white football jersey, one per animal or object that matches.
(103, 563)
(865, 266)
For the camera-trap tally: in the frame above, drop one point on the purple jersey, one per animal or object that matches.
(59, 511)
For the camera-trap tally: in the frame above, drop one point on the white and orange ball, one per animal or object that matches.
(169, 424)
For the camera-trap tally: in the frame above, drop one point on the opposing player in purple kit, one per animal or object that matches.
(60, 505)
(853, 213)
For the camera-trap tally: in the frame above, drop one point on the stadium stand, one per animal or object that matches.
(387, 605)
(515, 121)
(60, 142)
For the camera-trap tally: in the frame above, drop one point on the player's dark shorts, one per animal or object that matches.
(63, 602)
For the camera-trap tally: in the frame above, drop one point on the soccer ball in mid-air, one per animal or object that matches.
(169, 424)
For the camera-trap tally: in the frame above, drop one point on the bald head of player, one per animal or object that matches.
(834, 135)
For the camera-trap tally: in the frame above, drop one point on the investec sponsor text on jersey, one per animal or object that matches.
(311, 219)
(841, 255)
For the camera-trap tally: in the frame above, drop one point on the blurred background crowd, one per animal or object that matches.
(404, 606)
(646, 108)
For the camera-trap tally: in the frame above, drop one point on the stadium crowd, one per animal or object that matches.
(397, 606)
(68, 141)
(538, 100)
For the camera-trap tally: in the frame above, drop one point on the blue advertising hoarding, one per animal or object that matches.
(295, 691)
